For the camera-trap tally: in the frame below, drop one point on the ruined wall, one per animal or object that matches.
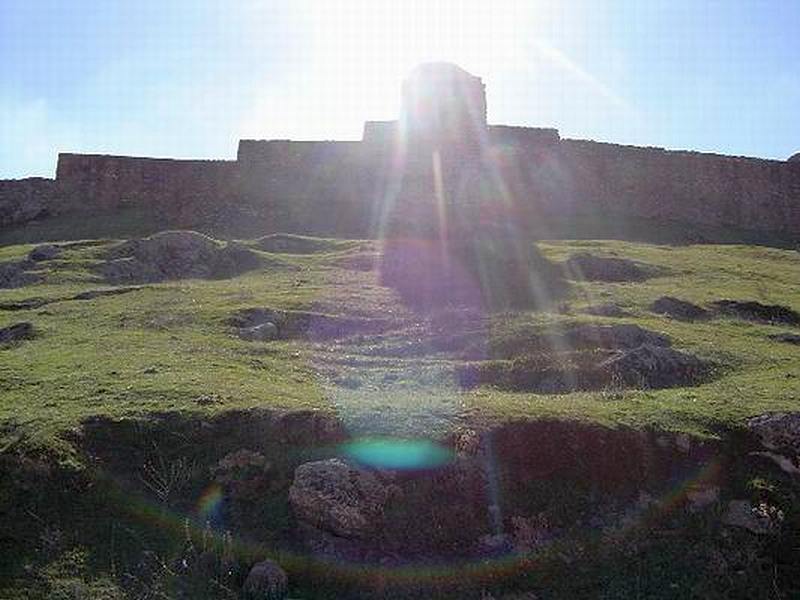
(185, 189)
(708, 189)
(346, 188)
(318, 187)
(22, 200)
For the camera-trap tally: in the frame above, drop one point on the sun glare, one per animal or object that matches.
(360, 50)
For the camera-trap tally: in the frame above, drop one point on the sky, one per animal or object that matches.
(189, 78)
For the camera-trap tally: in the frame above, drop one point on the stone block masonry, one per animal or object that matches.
(344, 188)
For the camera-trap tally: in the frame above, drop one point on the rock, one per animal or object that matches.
(700, 496)
(655, 367)
(786, 337)
(259, 333)
(779, 432)
(335, 497)
(266, 581)
(755, 311)
(786, 464)
(678, 309)
(250, 317)
(177, 255)
(13, 274)
(17, 331)
(588, 267)
(44, 252)
(605, 310)
(759, 520)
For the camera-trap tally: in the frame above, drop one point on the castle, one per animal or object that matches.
(343, 188)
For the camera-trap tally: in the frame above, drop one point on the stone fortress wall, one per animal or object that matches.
(336, 188)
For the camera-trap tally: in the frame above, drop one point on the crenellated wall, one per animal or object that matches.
(342, 188)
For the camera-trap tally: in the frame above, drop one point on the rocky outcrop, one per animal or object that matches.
(176, 255)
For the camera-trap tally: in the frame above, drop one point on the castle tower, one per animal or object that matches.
(443, 108)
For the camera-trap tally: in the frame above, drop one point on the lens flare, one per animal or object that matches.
(209, 506)
(400, 454)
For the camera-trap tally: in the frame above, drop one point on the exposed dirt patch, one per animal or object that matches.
(588, 267)
(14, 274)
(45, 252)
(361, 261)
(16, 332)
(176, 255)
(606, 310)
(645, 366)
(573, 338)
(33, 303)
(678, 309)
(293, 244)
(312, 326)
(786, 337)
(755, 311)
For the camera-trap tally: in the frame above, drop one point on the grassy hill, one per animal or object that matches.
(165, 346)
(113, 370)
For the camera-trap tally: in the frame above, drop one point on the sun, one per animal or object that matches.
(360, 50)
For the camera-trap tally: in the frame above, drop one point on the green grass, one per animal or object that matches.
(162, 347)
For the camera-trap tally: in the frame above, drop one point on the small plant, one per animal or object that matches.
(165, 478)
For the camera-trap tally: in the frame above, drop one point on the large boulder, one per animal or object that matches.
(337, 498)
(177, 255)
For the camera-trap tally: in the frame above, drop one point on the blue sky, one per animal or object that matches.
(189, 78)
